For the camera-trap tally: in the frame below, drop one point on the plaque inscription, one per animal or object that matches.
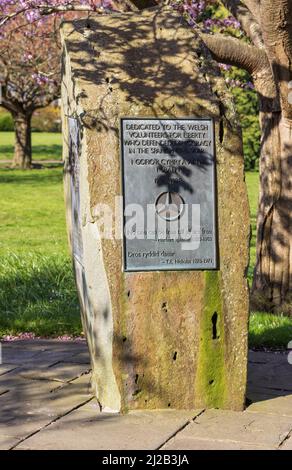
(168, 178)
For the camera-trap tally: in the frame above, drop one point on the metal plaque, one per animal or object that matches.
(169, 194)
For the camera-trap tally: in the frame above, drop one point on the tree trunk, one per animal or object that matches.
(22, 150)
(272, 281)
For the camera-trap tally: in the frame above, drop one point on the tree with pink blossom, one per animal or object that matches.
(256, 36)
(29, 78)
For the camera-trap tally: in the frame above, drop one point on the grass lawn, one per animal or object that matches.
(252, 182)
(45, 146)
(37, 291)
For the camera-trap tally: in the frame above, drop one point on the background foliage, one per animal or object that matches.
(247, 107)
(44, 120)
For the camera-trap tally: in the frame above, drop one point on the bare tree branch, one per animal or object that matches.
(11, 16)
(46, 10)
(247, 20)
(277, 33)
(141, 4)
(9, 105)
(232, 51)
(254, 8)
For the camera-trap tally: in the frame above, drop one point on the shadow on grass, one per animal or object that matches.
(30, 177)
(50, 152)
(39, 152)
(274, 338)
(268, 330)
(38, 294)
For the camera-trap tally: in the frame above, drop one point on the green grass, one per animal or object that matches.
(38, 295)
(252, 182)
(271, 331)
(32, 211)
(45, 146)
(37, 291)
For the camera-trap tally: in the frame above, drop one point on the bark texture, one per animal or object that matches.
(151, 335)
(22, 150)
(268, 24)
(272, 276)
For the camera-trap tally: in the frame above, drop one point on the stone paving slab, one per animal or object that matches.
(51, 357)
(188, 443)
(22, 427)
(262, 357)
(14, 356)
(5, 368)
(275, 373)
(281, 405)
(260, 393)
(287, 445)
(6, 442)
(80, 358)
(84, 380)
(33, 404)
(13, 381)
(44, 345)
(43, 352)
(91, 430)
(39, 398)
(255, 429)
(46, 391)
(62, 372)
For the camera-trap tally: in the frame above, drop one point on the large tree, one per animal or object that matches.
(268, 58)
(265, 51)
(29, 78)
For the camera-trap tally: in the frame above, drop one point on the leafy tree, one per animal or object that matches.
(29, 77)
(247, 107)
(262, 46)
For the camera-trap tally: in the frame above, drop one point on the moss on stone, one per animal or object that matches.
(210, 377)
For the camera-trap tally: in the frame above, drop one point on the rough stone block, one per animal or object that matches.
(151, 335)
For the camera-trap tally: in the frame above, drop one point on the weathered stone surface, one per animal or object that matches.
(189, 443)
(30, 405)
(268, 357)
(5, 368)
(272, 405)
(84, 379)
(81, 358)
(61, 371)
(85, 430)
(233, 427)
(287, 445)
(272, 375)
(6, 442)
(16, 356)
(152, 64)
(269, 377)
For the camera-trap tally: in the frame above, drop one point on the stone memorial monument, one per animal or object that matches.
(157, 213)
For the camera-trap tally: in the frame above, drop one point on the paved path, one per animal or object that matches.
(45, 403)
